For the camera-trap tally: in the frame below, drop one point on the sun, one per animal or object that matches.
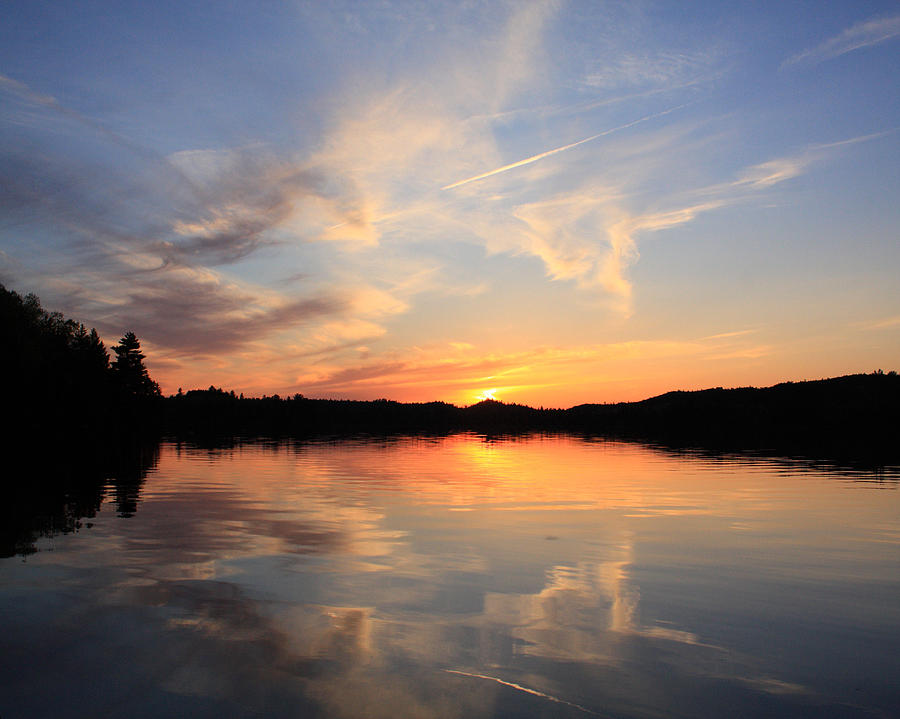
(487, 394)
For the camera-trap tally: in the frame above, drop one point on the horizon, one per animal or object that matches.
(496, 400)
(541, 203)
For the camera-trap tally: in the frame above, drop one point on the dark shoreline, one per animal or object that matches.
(854, 415)
(64, 396)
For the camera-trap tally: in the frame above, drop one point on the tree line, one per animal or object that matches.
(59, 378)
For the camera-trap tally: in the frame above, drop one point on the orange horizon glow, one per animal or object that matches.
(546, 377)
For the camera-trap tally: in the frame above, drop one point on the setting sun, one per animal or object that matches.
(487, 394)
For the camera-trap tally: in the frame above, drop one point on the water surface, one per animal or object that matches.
(462, 577)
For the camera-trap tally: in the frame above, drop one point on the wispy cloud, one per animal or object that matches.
(29, 96)
(589, 234)
(202, 316)
(582, 237)
(136, 238)
(652, 69)
(881, 324)
(728, 335)
(772, 172)
(152, 268)
(862, 35)
(558, 228)
(192, 311)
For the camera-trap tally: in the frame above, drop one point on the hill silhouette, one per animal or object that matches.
(859, 410)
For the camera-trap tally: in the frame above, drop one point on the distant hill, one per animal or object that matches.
(849, 409)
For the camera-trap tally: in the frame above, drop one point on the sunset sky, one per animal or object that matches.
(547, 203)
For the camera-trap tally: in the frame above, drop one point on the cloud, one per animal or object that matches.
(770, 173)
(581, 237)
(248, 337)
(881, 324)
(118, 277)
(195, 313)
(764, 175)
(589, 232)
(651, 69)
(132, 239)
(29, 96)
(59, 119)
(194, 207)
(22, 90)
(248, 195)
(118, 198)
(592, 236)
(862, 35)
(854, 140)
(521, 56)
(726, 335)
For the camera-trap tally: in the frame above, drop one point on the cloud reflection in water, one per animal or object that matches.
(339, 580)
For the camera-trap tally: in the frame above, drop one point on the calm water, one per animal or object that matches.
(460, 577)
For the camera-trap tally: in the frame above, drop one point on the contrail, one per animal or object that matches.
(542, 155)
(523, 689)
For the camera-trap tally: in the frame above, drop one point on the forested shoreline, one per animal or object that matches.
(61, 385)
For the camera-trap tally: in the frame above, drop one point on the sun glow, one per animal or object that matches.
(487, 394)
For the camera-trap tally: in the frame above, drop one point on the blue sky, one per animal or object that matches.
(546, 202)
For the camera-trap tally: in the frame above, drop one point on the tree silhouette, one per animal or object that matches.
(129, 368)
(91, 346)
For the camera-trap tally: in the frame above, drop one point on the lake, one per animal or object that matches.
(545, 576)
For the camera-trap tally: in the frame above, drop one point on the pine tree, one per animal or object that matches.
(129, 368)
(97, 350)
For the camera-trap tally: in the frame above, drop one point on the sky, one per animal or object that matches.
(541, 202)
